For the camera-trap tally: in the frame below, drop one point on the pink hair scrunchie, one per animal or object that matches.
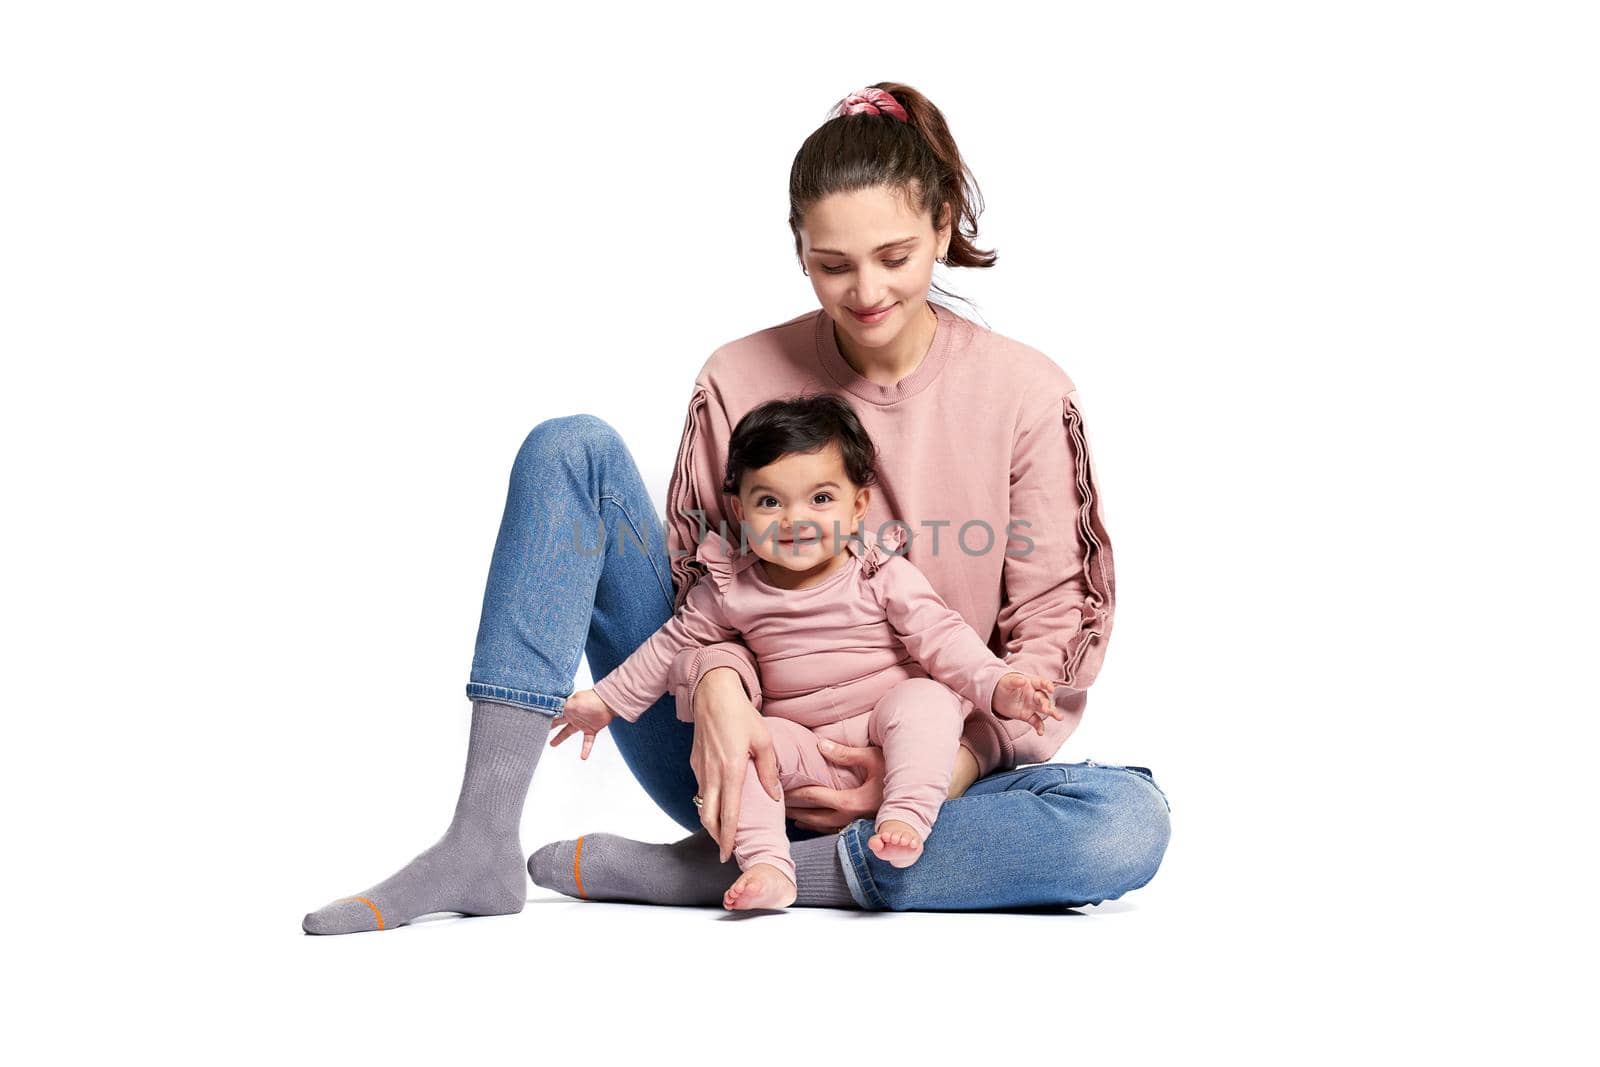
(872, 101)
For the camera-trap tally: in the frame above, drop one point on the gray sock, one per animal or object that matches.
(685, 873)
(476, 867)
(819, 876)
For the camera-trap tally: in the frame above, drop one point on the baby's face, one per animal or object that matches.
(798, 511)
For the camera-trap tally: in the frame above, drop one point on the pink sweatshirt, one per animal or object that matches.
(983, 433)
(825, 652)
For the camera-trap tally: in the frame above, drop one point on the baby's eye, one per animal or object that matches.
(762, 503)
(823, 497)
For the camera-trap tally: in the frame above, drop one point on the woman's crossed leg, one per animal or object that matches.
(579, 565)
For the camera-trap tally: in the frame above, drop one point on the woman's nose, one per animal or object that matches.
(869, 290)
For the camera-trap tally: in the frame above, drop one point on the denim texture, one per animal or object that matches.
(580, 568)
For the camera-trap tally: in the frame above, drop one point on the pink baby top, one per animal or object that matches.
(984, 432)
(826, 651)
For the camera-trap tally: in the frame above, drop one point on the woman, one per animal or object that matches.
(984, 463)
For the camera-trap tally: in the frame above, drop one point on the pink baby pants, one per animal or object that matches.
(917, 723)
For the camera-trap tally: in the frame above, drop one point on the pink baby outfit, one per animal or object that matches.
(984, 433)
(870, 655)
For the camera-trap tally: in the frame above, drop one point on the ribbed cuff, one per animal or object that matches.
(988, 681)
(692, 664)
(820, 880)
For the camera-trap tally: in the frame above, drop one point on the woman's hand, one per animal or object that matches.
(584, 712)
(728, 734)
(817, 807)
(1024, 696)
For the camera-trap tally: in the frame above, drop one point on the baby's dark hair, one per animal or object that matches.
(807, 423)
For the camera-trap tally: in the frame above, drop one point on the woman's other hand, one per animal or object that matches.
(583, 712)
(728, 734)
(817, 807)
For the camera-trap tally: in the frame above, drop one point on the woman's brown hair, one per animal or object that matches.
(916, 156)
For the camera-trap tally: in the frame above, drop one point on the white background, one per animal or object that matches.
(284, 286)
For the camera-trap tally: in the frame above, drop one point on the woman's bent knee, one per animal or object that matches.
(1119, 838)
(1135, 834)
(568, 436)
(1143, 825)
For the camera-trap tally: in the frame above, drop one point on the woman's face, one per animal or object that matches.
(869, 251)
(779, 504)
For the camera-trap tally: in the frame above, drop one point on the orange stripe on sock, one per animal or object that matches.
(576, 877)
(371, 905)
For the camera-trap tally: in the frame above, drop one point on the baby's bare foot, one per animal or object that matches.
(896, 843)
(762, 886)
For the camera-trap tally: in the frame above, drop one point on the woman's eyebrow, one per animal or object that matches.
(880, 248)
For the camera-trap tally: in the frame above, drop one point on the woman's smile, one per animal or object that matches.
(873, 317)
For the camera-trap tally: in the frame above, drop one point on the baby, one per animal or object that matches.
(852, 645)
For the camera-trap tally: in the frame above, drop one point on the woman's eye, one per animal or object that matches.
(894, 263)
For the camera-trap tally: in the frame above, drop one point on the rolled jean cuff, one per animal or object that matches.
(539, 702)
(853, 855)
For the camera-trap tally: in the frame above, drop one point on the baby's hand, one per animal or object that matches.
(584, 712)
(1025, 696)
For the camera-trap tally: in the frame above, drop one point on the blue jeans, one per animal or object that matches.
(580, 567)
